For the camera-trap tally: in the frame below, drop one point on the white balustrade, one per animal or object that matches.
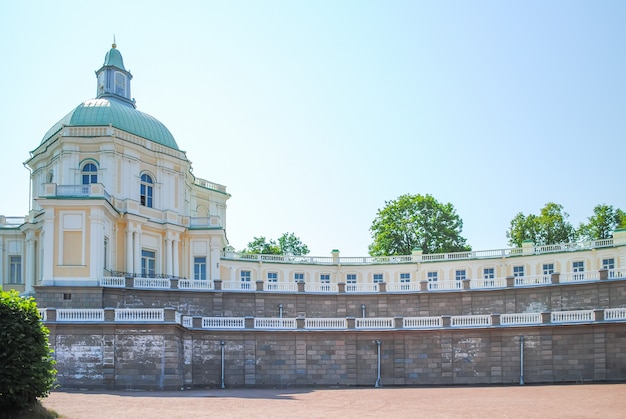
(403, 287)
(530, 280)
(422, 322)
(113, 281)
(513, 319)
(326, 323)
(139, 315)
(313, 287)
(579, 276)
(617, 273)
(615, 313)
(470, 320)
(187, 321)
(280, 286)
(195, 284)
(153, 283)
(274, 323)
(374, 323)
(43, 314)
(80, 315)
(223, 323)
(238, 286)
(573, 316)
(445, 285)
(486, 283)
(362, 288)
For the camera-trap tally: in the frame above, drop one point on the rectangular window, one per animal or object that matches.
(351, 278)
(245, 279)
(578, 266)
(405, 277)
(489, 273)
(199, 267)
(518, 271)
(272, 277)
(106, 253)
(378, 278)
(15, 270)
(432, 276)
(460, 275)
(609, 264)
(148, 263)
(325, 278)
(548, 268)
(298, 277)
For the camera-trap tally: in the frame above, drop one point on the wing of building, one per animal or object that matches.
(125, 251)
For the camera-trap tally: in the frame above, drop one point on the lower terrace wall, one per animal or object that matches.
(169, 356)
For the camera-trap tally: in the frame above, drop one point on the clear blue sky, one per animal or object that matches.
(313, 114)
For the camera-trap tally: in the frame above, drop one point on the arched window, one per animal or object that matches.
(90, 174)
(145, 192)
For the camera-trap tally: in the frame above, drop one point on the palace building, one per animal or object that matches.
(125, 251)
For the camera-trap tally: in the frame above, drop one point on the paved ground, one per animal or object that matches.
(567, 401)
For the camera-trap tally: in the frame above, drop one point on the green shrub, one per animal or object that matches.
(26, 364)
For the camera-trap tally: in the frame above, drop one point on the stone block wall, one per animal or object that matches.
(170, 357)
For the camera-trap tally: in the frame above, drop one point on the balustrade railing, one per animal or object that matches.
(615, 313)
(573, 316)
(530, 280)
(326, 323)
(238, 286)
(139, 314)
(512, 319)
(362, 288)
(154, 283)
(187, 321)
(445, 285)
(374, 323)
(113, 281)
(195, 284)
(80, 315)
(430, 257)
(403, 287)
(422, 322)
(484, 283)
(617, 273)
(280, 286)
(274, 323)
(579, 276)
(223, 322)
(471, 320)
(315, 287)
(43, 314)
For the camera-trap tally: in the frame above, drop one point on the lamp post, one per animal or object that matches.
(280, 310)
(378, 382)
(363, 310)
(222, 344)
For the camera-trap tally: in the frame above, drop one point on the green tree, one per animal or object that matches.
(260, 245)
(290, 244)
(602, 223)
(412, 221)
(549, 227)
(26, 359)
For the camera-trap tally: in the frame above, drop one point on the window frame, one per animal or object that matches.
(146, 190)
(148, 263)
(89, 173)
(199, 268)
(15, 270)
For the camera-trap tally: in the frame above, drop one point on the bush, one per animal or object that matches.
(25, 357)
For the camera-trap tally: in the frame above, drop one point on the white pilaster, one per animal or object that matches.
(137, 252)
(176, 264)
(29, 263)
(168, 257)
(129, 250)
(47, 270)
(214, 258)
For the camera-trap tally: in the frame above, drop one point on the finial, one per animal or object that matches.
(114, 45)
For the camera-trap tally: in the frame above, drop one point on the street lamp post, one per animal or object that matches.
(378, 382)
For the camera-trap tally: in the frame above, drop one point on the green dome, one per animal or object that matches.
(110, 111)
(114, 58)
